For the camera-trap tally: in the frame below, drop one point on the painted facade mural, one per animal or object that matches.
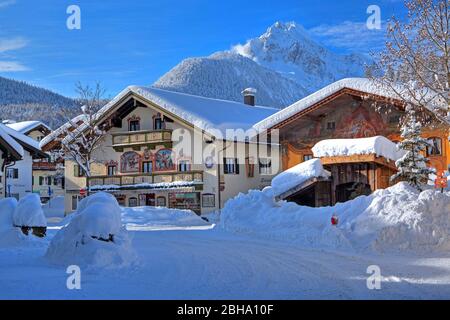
(130, 162)
(164, 160)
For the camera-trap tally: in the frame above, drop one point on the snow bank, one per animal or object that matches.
(397, 218)
(298, 175)
(29, 212)
(94, 236)
(161, 218)
(7, 207)
(378, 145)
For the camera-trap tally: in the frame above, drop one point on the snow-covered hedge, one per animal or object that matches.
(397, 218)
(29, 213)
(94, 236)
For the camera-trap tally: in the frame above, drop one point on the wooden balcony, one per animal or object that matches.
(131, 180)
(44, 166)
(141, 138)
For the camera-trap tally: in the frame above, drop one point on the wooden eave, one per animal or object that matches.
(358, 159)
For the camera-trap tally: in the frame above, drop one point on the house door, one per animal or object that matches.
(150, 199)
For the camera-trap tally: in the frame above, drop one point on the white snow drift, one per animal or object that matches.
(397, 218)
(94, 236)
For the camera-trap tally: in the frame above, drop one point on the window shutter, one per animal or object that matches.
(236, 164)
(76, 170)
(225, 167)
(41, 180)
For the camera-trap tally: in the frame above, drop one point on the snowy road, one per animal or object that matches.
(212, 264)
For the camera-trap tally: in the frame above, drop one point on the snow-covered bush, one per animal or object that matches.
(397, 218)
(11, 236)
(94, 236)
(7, 207)
(29, 213)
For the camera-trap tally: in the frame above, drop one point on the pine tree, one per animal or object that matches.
(412, 167)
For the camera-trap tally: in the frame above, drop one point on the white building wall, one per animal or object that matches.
(23, 184)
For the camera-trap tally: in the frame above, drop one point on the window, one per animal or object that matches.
(331, 125)
(435, 148)
(230, 166)
(41, 181)
(161, 201)
(147, 167)
(265, 166)
(307, 157)
(134, 125)
(12, 173)
(78, 171)
(184, 166)
(208, 200)
(132, 202)
(48, 181)
(250, 167)
(112, 170)
(74, 202)
(159, 124)
(394, 119)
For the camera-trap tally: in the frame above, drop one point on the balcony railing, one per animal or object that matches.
(44, 166)
(150, 178)
(141, 137)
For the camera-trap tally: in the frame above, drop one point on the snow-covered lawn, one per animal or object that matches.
(180, 256)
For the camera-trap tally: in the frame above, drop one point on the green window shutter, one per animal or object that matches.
(76, 170)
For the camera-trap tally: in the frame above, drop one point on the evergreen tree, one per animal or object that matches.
(412, 167)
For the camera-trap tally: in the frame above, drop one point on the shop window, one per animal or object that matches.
(208, 200)
(307, 157)
(265, 166)
(230, 166)
(147, 167)
(184, 166)
(132, 202)
(435, 148)
(161, 201)
(250, 167)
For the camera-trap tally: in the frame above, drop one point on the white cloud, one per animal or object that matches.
(12, 44)
(7, 3)
(12, 66)
(351, 36)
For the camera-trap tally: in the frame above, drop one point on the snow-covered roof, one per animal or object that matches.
(10, 141)
(298, 175)
(358, 84)
(21, 138)
(378, 145)
(61, 130)
(203, 113)
(27, 126)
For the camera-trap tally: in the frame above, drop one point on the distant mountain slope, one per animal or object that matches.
(21, 101)
(284, 64)
(225, 74)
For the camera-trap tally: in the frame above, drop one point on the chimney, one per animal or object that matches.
(249, 96)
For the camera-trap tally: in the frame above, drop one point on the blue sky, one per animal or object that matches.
(136, 41)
